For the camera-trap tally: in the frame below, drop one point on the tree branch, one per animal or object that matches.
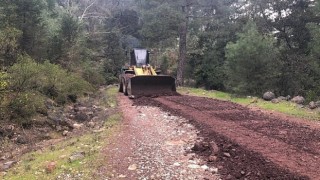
(85, 10)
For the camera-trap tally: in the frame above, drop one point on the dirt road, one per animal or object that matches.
(160, 136)
(154, 144)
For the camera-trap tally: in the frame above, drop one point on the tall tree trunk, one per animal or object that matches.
(183, 44)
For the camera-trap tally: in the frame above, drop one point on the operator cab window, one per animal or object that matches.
(141, 57)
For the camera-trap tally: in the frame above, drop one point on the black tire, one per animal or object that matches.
(121, 86)
(129, 93)
(125, 86)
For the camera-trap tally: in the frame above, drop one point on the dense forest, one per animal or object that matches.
(62, 49)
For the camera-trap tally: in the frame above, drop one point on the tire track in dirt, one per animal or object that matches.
(268, 156)
(301, 136)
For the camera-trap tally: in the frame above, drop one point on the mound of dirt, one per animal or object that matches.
(251, 144)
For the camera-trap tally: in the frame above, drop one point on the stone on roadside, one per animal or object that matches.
(51, 166)
(204, 167)
(214, 148)
(317, 103)
(77, 126)
(22, 140)
(76, 156)
(200, 147)
(312, 105)
(193, 166)
(268, 96)
(213, 170)
(298, 99)
(275, 101)
(176, 164)
(132, 167)
(212, 158)
(282, 98)
(65, 133)
(227, 154)
(7, 165)
(91, 124)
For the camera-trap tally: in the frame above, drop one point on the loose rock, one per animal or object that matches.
(91, 124)
(7, 165)
(193, 166)
(65, 133)
(51, 166)
(77, 126)
(204, 167)
(22, 140)
(312, 105)
(317, 103)
(268, 96)
(275, 100)
(212, 158)
(76, 156)
(298, 99)
(213, 170)
(132, 167)
(214, 148)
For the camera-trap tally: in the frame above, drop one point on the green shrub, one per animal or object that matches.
(3, 85)
(24, 75)
(312, 95)
(93, 75)
(59, 84)
(111, 79)
(49, 79)
(25, 105)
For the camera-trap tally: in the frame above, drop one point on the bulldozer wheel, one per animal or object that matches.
(125, 86)
(121, 86)
(129, 92)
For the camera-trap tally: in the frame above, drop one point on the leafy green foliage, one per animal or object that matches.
(252, 62)
(93, 75)
(9, 38)
(61, 85)
(48, 79)
(3, 85)
(25, 105)
(161, 23)
(210, 73)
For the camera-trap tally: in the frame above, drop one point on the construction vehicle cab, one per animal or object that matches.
(141, 79)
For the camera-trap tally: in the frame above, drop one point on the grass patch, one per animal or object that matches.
(283, 107)
(33, 165)
(110, 98)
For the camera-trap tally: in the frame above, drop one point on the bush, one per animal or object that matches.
(59, 84)
(3, 85)
(49, 79)
(25, 105)
(3, 91)
(111, 79)
(24, 75)
(93, 75)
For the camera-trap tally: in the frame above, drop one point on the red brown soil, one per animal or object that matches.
(260, 145)
(154, 142)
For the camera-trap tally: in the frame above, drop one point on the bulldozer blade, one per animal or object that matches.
(151, 86)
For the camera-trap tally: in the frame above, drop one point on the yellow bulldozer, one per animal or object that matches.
(141, 79)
